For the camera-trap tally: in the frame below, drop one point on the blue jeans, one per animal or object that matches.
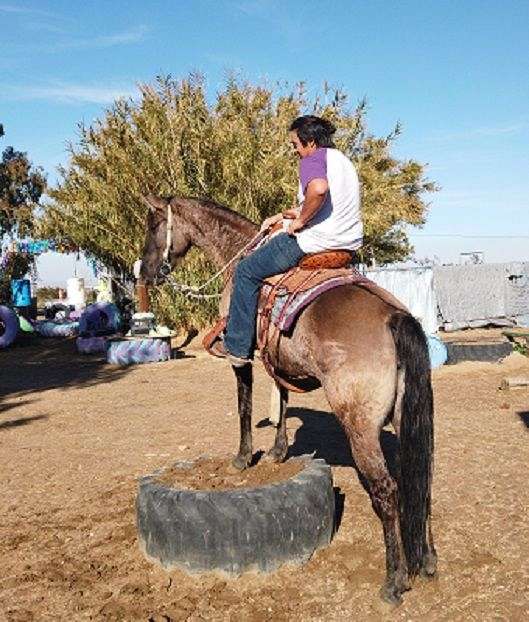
(278, 255)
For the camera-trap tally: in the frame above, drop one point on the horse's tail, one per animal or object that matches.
(416, 437)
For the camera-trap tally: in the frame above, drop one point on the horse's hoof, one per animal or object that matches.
(239, 463)
(275, 455)
(390, 595)
(429, 566)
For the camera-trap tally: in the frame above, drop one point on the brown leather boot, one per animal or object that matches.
(219, 349)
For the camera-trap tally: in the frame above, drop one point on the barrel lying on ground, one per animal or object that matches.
(237, 530)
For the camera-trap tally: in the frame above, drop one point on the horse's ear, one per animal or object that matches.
(150, 201)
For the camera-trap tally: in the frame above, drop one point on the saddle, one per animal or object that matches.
(283, 296)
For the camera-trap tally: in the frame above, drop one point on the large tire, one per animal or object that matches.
(100, 318)
(125, 352)
(48, 328)
(234, 531)
(485, 352)
(9, 326)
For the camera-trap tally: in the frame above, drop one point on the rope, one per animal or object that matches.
(194, 292)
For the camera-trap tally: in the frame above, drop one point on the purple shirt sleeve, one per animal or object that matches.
(313, 167)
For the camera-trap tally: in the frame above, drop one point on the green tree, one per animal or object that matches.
(21, 187)
(236, 151)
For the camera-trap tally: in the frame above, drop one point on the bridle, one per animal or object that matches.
(191, 291)
(169, 234)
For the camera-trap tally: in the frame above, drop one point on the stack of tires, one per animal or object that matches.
(97, 323)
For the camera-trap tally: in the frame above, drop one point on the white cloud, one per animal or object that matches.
(21, 10)
(134, 35)
(500, 131)
(68, 93)
(477, 132)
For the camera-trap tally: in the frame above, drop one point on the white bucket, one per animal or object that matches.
(75, 292)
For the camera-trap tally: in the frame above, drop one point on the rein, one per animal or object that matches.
(191, 291)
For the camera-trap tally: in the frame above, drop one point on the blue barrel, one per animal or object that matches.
(21, 292)
(437, 350)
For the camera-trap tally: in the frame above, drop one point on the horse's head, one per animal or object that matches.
(165, 240)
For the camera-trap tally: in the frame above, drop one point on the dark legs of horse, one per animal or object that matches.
(244, 377)
(279, 451)
(369, 459)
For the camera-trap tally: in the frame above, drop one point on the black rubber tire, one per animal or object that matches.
(486, 352)
(238, 530)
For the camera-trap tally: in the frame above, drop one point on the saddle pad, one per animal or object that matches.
(299, 280)
(288, 306)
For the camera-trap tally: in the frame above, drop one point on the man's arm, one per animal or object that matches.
(314, 198)
(293, 212)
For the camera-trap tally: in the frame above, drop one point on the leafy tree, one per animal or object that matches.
(236, 151)
(21, 186)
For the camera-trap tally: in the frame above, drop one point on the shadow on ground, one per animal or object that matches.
(320, 432)
(15, 423)
(40, 364)
(524, 416)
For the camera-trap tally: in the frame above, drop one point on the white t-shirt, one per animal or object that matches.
(338, 222)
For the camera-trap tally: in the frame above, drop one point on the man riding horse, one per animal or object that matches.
(328, 219)
(357, 342)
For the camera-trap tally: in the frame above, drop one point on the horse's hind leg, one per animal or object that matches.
(278, 407)
(362, 422)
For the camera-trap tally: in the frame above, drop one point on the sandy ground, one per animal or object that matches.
(75, 435)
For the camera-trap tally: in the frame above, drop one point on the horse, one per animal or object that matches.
(370, 358)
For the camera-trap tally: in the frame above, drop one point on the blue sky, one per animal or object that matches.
(454, 73)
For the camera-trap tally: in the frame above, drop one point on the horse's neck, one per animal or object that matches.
(220, 233)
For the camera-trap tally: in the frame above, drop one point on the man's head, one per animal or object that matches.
(308, 133)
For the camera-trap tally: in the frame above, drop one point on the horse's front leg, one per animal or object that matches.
(278, 408)
(244, 400)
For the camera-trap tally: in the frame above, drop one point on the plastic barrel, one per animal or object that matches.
(21, 292)
(8, 326)
(75, 291)
(437, 350)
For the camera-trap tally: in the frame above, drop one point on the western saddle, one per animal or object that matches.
(313, 269)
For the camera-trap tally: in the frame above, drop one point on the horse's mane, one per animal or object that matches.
(233, 218)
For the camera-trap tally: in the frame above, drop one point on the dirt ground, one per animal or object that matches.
(75, 434)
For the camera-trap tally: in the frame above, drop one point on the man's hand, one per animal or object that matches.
(270, 222)
(291, 213)
(295, 225)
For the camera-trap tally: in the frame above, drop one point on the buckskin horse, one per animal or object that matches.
(369, 356)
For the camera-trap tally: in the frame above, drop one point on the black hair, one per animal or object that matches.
(310, 128)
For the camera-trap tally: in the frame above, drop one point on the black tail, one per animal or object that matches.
(416, 437)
